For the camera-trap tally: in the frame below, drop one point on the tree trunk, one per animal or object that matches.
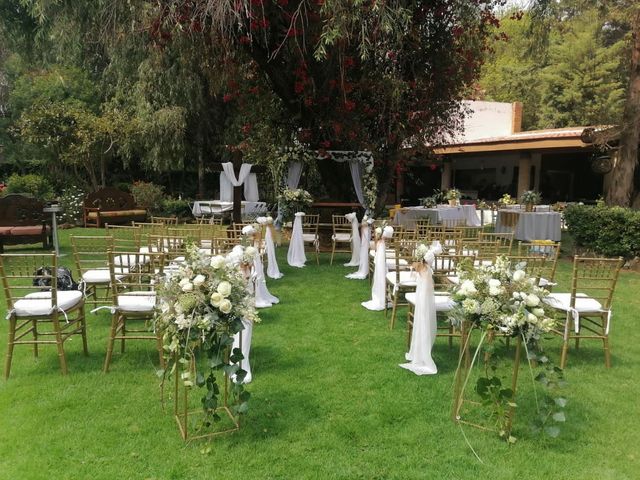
(103, 172)
(622, 177)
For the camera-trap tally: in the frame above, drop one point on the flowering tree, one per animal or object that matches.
(350, 74)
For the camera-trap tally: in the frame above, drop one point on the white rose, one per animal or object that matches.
(494, 291)
(217, 262)
(532, 300)
(519, 275)
(268, 220)
(538, 312)
(187, 287)
(198, 280)
(516, 295)
(248, 230)
(251, 251)
(224, 288)
(387, 232)
(467, 288)
(495, 283)
(225, 306)
(261, 220)
(184, 281)
(216, 298)
(531, 318)
(378, 231)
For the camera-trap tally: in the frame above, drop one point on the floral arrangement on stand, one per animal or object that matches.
(202, 306)
(72, 202)
(433, 200)
(453, 195)
(506, 199)
(292, 201)
(530, 198)
(504, 300)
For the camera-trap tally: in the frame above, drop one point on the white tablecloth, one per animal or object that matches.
(532, 225)
(408, 216)
(217, 207)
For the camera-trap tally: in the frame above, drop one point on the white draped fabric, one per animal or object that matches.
(356, 168)
(228, 180)
(272, 262)
(378, 290)
(295, 255)
(264, 299)
(365, 239)
(251, 193)
(355, 241)
(293, 175)
(247, 333)
(424, 320)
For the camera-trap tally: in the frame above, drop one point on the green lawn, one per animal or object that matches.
(328, 401)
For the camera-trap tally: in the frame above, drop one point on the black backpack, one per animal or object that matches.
(65, 279)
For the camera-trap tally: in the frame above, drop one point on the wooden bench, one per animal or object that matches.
(110, 205)
(23, 221)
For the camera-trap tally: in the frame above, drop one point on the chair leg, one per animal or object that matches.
(394, 307)
(112, 335)
(83, 325)
(123, 332)
(577, 343)
(607, 352)
(60, 345)
(333, 251)
(34, 324)
(10, 345)
(564, 353)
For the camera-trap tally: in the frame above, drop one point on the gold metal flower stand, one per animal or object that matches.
(192, 419)
(469, 412)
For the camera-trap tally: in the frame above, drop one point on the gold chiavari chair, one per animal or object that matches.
(125, 237)
(532, 265)
(505, 241)
(444, 273)
(470, 233)
(134, 300)
(402, 278)
(37, 312)
(235, 230)
(549, 250)
(486, 251)
(209, 220)
(341, 235)
(150, 228)
(587, 315)
(91, 256)
(165, 220)
(449, 237)
(310, 225)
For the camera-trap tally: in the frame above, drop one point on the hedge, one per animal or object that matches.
(608, 231)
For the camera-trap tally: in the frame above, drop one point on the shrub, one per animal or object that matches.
(608, 231)
(148, 195)
(32, 184)
(176, 207)
(71, 200)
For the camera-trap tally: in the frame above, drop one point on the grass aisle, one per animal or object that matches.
(328, 402)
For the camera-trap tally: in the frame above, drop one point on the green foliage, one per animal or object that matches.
(608, 231)
(551, 406)
(177, 207)
(148, 195)
(31, 184)
(578, 78)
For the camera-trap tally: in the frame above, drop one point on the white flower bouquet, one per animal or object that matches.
(503, 298)
(292, 201)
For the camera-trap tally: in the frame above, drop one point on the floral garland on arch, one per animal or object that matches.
(202, 306)
(503, 299)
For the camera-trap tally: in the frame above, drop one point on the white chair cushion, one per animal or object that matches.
(341, 237)
(100, 275)
(444, 302)
(391, 263)
(407, 278)
(137, 301)
(483, 263)
(309, 237)
(562, 301)
(130, 260)
(39, 303)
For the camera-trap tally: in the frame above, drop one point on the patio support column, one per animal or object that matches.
(445, 179)
(524, 173)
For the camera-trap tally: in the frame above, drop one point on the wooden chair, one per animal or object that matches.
(341, 235)
(402, 278)
(551, 251)
(310, 225)
(38, 313)
(125, 237)
(587, 315)
(505, 241)
(91, 256)
(209, 220)
(532, 265)
(485, 251)
(134, 300)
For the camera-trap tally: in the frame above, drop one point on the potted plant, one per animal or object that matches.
(530, 198)
(453, 196)
(506, 200)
